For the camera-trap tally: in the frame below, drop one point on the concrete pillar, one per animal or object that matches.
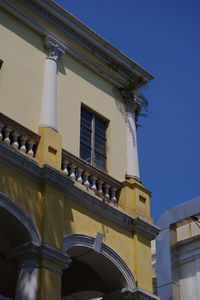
(49, 97)
(132, 169)
(167, 283)
(27, 279)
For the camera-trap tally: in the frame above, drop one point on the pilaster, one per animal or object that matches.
(135, 199)
(49, 150)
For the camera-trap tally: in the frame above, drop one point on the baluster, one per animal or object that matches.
(94, 179)
(65, 165)
(23, 140)
(85, 179)
(7, 131)
(30, 143)
(79, 177)
(107, 187)
(113, 195)
(1, 127)
(72, 172)
(15, 136)
(100, 183)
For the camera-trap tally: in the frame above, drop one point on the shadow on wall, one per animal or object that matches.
(71, 207)
(28, 195)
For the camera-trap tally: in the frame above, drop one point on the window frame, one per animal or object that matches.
(93, 133)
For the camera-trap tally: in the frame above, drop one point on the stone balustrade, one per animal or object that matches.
(92, 178)
(19, 137)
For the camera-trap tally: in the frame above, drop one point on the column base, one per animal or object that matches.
(50, 148)
(133, 177)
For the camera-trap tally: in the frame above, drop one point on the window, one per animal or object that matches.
(93, 139)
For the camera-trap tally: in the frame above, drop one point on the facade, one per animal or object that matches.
(177, 252)
(74, 216)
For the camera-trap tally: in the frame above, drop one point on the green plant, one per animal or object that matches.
(131, 93)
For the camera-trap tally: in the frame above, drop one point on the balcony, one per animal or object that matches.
(90, 177)
(76, 169)
(19, 137)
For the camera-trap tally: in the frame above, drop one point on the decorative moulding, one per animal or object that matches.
(74, 240)
(116, 67)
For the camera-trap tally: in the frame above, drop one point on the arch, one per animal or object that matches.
(16, 212)
(81, 240)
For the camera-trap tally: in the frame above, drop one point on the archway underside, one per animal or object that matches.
(90, 275)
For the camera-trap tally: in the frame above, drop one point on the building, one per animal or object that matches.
(178, 252)
(74, 216)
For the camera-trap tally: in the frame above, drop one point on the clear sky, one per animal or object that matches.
(163, 36)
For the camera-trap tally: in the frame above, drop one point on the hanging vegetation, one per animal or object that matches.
(131, 93)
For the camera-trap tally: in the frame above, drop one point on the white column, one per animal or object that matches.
(132, 170)
(49, 97)
(27, 280)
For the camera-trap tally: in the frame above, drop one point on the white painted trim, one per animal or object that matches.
(49, 97)
(22, 217)
(74, 239)
(132, 163)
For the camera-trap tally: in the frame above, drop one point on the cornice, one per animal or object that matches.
(119, 65)
(187, 250)
(47, 175)
(133, 183)
(131, 294)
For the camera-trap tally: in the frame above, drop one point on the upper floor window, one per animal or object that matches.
(93, 139)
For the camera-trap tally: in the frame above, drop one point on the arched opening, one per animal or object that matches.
(16, 229)
(92, 273)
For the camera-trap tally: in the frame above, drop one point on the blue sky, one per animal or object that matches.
(164, 38)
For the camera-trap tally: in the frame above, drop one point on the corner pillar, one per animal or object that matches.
(135, 200)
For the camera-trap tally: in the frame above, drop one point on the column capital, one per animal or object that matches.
(54, 48)
(132, 101)
(43, 251)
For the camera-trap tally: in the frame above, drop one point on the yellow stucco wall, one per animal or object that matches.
(23, 56)
(142, 262)
(23, 191)
(56, 216)
(80, 220)
(76, 85)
